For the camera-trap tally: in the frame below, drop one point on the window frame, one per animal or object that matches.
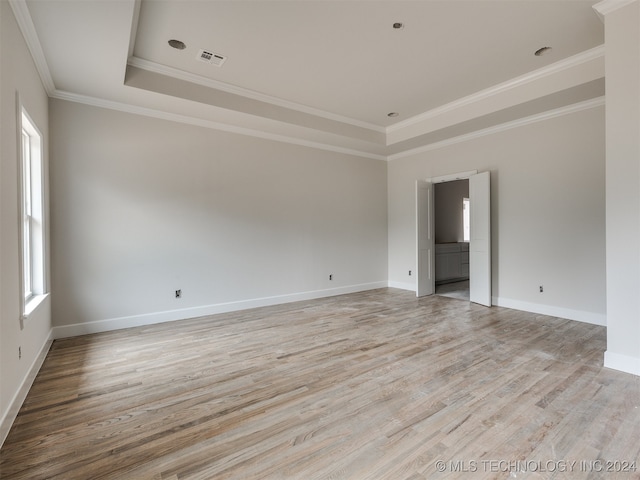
(31, 202)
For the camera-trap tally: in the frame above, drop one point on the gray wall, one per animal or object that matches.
(548, 212)
(447, 203)
(622, 34)
(18, 76)
(142, 207)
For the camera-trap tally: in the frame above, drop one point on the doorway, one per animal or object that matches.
(479, 241)
(452, 235)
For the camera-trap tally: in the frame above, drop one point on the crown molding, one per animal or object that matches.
(245, 92)
(149, 112)
(536, 75)
(607, 6)
(558, 112)
(137, 4)
(28, 29)
(175, 117)
(25, 23)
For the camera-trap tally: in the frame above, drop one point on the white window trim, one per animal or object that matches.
(30, 303)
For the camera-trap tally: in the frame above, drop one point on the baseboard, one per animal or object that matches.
(110, 324)
(18, 399)
(402, 286)
(568, 313)
(623, 363)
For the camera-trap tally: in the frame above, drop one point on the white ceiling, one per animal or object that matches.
(325, 72)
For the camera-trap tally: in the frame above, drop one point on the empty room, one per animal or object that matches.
(224, 254)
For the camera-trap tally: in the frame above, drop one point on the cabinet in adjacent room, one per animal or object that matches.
(452, 261)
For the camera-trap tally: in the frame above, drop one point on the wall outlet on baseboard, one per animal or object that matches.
(178, 293)
(331, 276)
(541, 289)
(409, 272)
(19, 353)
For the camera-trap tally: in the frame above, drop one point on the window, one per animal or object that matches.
(465, 220)
(32, 232)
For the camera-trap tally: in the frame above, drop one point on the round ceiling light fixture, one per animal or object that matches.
(542, 51)
(398, 25)
(392, 114)
(177, 44)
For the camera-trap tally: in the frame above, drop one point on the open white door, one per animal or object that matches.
(480, 244)
(425, 255)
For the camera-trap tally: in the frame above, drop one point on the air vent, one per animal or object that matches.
(207, 56)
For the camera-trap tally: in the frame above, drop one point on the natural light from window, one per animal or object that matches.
(465, 220)
(32, 231)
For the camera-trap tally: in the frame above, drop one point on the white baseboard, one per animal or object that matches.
(611, 360)
(106, 325)
(568, 313)
(623, 363)
(402, 285)
(18, 399)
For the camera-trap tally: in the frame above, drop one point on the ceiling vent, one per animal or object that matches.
(207, 56)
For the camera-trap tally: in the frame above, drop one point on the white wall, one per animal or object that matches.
(142, 207)
(548, 212)
(18, 76)
(622, 36)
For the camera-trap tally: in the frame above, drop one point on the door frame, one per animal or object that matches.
(453, 176)
(425, 280)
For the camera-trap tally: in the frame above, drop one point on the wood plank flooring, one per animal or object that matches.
(373, 385)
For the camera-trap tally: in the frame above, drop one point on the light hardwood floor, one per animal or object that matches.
(373, 385)
(459, 290)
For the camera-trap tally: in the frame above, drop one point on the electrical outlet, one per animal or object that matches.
(409, 272)
(541, 289)
(178, 293)
(19, 353)
(331, 276)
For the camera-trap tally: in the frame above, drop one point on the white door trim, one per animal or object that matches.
(452, 177)
(480, 244)
(425, 257)
(425, 239)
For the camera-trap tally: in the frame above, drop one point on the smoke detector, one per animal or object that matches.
(208, 56)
